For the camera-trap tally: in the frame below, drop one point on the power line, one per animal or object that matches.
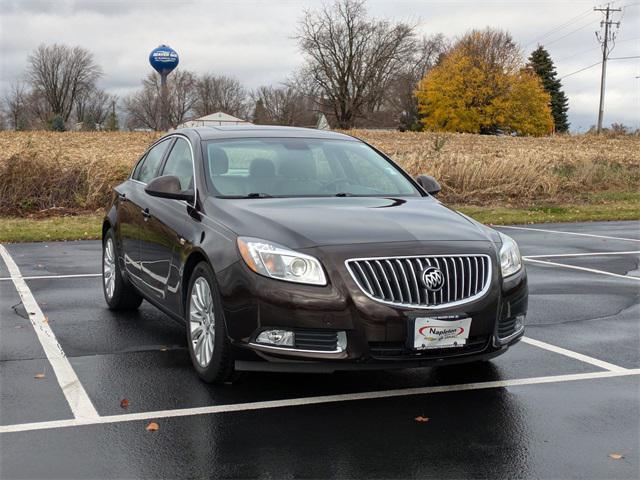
(578, 71)
(558, 28)
(624, 58)
(570, 33)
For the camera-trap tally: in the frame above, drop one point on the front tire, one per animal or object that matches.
(118, 292)
(207, 340)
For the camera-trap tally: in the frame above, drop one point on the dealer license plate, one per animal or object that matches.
(433, 333)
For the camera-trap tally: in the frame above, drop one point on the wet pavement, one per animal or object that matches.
(556, 409)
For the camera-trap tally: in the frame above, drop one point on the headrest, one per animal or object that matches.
(218, 161)
(262, 167)
(301, 167)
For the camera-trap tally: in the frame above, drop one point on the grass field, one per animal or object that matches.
(66, 176)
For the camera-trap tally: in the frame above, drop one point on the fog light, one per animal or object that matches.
(519, 322)
(281, 338)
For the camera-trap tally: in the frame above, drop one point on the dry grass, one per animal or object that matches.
(74, 171)
(487, 169)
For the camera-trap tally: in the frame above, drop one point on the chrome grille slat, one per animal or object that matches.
(375, 278)
(398, 280)
(395, 278)
(384, 278)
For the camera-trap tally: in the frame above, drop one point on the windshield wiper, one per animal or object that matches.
(343, 194)
(258, 195)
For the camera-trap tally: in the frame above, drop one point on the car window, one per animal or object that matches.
(179, 163)
(286, 167)
(147, 168)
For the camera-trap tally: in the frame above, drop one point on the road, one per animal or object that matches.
(557, 405)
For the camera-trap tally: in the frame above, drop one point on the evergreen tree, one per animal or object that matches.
(112, 123)
(56, 123)
(541, 63)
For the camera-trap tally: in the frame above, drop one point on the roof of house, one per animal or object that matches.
(218, 117)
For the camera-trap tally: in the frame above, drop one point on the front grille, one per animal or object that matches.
(321, 340)
(398, 280)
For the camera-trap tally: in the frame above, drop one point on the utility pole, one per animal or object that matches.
(608, 37)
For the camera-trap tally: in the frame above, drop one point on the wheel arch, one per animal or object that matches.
(195, 257)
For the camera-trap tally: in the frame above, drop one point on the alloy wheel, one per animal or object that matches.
(202, 321)
(109, 268)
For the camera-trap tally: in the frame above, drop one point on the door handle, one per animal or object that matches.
(122, 197)
(145, 213)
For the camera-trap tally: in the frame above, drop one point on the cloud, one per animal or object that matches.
(253, 40)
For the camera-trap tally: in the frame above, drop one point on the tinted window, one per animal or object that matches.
(179, 163)
(301, 167)
(146, 170)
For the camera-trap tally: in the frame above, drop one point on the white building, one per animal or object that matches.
(214, 120)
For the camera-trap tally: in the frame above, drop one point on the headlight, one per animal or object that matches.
(275, 261)
(510, 259)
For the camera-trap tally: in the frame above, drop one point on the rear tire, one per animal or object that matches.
(207, 339)
(118, 292)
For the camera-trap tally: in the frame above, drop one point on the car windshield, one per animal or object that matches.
(297, 167)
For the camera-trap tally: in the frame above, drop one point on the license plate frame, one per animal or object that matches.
(441, 334)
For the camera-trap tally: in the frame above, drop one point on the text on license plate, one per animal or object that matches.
(433, 333)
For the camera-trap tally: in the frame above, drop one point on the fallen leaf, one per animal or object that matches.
(124, 403)
(421, 419)
(616, 456)
(152, 427)
(39, 375)
(45, 320)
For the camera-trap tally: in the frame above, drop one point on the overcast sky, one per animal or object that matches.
(252, 39)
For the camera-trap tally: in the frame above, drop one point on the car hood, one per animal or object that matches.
(309, 222)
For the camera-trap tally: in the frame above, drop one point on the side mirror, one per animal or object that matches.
(429, 183)
(168, 186)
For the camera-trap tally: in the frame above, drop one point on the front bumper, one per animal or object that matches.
(376, 334)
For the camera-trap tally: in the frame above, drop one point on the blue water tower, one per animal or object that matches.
(164, 59)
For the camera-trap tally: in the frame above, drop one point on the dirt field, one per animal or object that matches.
(74, 171)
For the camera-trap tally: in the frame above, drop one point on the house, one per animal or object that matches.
(214, 120)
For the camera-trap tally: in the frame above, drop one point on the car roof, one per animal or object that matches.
(257, 131)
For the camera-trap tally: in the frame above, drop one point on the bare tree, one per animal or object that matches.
(220, 93)
(350, 57)
(61, 73)
(16, 106)
(399, 96)
(92, 108)
(282, 106)
(144, 107)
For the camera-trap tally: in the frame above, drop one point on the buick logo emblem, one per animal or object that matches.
(432, 279)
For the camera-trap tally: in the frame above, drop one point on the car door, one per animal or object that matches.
(131, 206)
(161, 240)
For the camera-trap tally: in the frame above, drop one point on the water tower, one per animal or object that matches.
(164, 59)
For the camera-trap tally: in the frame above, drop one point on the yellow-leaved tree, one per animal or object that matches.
(480, 87)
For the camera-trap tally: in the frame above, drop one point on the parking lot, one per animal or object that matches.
(562, 403)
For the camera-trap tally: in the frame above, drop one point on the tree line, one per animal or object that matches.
(358, 71)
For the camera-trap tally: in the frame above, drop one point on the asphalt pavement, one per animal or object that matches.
(562, 403)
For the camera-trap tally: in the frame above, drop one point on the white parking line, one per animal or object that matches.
(41, 277)
(297, 402)
(72, 389)
(575, 355)
(584, 269)
(590, 254)
(569, 233)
